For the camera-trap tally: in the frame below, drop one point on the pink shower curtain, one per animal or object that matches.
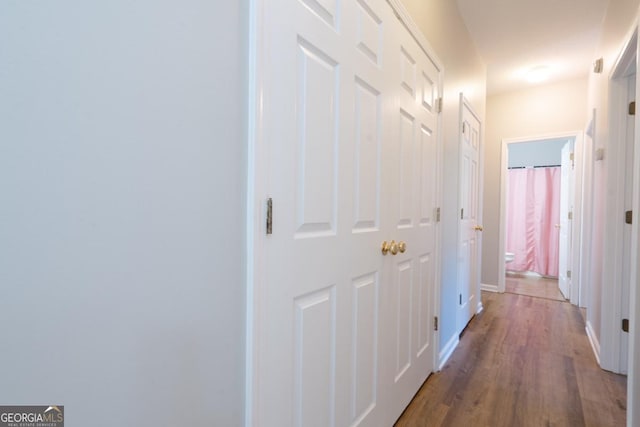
(533, 210)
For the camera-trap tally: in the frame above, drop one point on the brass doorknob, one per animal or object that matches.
(402, 246)
(478, 228)
(393, 247)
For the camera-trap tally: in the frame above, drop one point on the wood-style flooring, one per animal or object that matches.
(522, 362)
(540, 287)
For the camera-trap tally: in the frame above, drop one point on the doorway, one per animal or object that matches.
(538, 202)
(527, 157)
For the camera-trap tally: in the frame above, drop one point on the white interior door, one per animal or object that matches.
(469, 245)
(344, 332)
(413, 196)
(564, 240)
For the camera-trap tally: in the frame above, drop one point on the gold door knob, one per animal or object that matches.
(385, 247)
(393, 247)
(402, 246)
(478, 228)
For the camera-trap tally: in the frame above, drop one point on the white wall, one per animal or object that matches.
(537, 153)
(464, 71)
(541, 110)
(121, 216)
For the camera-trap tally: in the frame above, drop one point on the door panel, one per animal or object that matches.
(365, 327)
(345, 332)
(406, 182)
(318, 125)
(369, 32)
(424, 304)
(403, 292)
(315, 357)
(367, 160)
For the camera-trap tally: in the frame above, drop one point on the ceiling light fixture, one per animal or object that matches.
(538, 74)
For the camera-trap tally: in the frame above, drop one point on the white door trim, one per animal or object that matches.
(611, 303)
(586, 220)
(633, 380)
(611, 306)
(255, 214)
(575, 261)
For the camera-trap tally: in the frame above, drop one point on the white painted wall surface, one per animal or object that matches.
(121, 217)
(464, 71)
(542, 110)
(537, 153)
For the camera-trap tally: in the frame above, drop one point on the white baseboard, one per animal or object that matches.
(447, 351)
(595, 344)
(488, 288)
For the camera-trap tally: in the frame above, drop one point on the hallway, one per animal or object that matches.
(524, 361)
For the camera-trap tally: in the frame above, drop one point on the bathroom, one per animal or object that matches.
(537, 239)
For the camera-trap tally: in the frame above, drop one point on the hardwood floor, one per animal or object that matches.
(533, 286)
(522, 362)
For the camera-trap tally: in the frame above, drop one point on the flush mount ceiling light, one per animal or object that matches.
(538, 74)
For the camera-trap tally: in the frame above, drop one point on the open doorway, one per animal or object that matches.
(538, 200)
(539, 210)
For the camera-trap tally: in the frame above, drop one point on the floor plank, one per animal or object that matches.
(523, 361)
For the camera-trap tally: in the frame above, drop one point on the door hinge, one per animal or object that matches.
(632, 108)
(435, 323)
(571, 156)
(460, 299)
(568, 274)
(269, 227)
(462, 213)
(437, 214)
(625, 325)
(628, 217)
(570, 215)
(439, 105)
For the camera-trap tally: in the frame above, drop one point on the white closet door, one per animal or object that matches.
(338, 321)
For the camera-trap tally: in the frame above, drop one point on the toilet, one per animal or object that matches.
(508, 257)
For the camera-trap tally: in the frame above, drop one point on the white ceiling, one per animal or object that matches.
(514, 36)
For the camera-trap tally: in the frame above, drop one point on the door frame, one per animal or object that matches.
(576, 261)
(633, 379)
(624, 67)
(257, 193)
(256, 206)
(567, 187)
